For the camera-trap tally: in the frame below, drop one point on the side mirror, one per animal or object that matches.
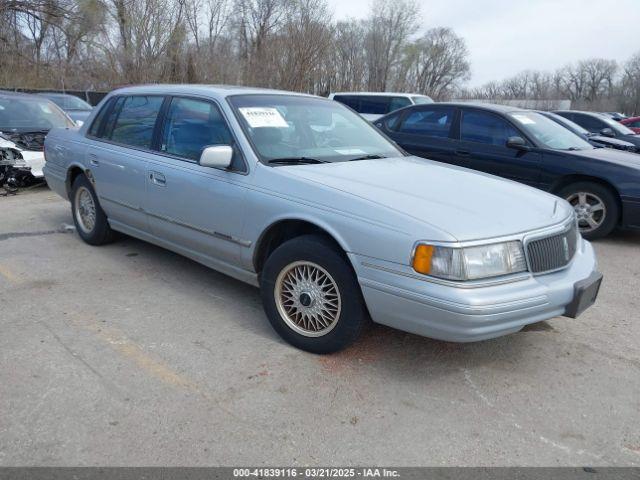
(607, 132)
(517, 143)
(217, 156)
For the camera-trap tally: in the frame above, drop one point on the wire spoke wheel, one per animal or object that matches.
(85, 210)
(308, 298)
(590, 209)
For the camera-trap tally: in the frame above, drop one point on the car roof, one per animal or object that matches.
(380, 94)
(593, 114)
(491, 107)
(56, 94)
(220, 91)
(10, 94)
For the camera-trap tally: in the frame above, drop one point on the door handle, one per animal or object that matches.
(158, 178)
(463, 153)
(93, 159)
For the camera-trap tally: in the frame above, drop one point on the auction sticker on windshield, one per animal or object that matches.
(259, 117)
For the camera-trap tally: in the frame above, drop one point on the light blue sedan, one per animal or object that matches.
(337, 225)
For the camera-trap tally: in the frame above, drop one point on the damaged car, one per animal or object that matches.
(24, 122)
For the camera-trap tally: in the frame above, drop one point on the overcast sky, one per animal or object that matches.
(507, 36)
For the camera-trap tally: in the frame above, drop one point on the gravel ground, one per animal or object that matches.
(132, 355)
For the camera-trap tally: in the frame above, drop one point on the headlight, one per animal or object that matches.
(470, 263)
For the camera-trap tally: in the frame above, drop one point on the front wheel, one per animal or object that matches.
(311, 296)
(596, 208)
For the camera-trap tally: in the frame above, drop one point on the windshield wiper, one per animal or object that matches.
(367, 157)
(295, 161)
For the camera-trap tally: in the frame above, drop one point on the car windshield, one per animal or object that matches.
(421, 100)
(617, 126)
(308, 128)
(69, 102)
(22, 114)
(548, 132)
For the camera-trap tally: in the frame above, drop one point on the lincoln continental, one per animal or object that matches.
(336, 224)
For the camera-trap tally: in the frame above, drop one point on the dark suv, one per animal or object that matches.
(602, 125)
(602, 184)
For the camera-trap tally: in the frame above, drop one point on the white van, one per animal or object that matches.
(373, 105)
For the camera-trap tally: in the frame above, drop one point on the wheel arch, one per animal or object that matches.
(281, 230)
(73, 171)
(567, 180)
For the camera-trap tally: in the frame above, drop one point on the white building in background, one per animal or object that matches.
(524, 103)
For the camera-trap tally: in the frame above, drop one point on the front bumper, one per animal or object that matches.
(35, 161)
(413, 304)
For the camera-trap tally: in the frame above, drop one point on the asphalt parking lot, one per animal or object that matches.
(132, 355)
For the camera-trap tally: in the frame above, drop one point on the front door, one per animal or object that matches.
(197, 208)
(483, 146)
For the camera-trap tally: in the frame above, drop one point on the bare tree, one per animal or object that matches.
(390, 25)
(435, 64)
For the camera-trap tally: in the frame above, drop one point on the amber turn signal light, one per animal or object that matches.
(422, 258)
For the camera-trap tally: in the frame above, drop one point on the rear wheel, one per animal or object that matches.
(596, 208)
(311, 296)
(89, 218)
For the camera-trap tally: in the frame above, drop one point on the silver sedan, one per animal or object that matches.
(337, 226)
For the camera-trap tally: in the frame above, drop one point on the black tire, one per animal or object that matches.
(611, 212)
(100, 233)
(352, 316)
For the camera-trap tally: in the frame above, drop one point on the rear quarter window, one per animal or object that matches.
(99, 119)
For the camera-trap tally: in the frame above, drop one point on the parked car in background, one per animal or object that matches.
(602, 125)
(73, 106)
(303, 197)
(593, 138)
(373, 105)
(602, 184)
(617, 116)
(632, 123)
(24, 121)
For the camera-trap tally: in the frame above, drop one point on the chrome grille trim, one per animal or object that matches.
(553, 252)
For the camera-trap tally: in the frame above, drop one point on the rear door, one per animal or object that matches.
(483, 139)
(197, 208)
(117, 156)
(425, 131)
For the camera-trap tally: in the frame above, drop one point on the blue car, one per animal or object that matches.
(594, 139)
(602, 184)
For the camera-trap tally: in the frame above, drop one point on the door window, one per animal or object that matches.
(483, 127)
(191, 125)
(135, 122)
(635, 124)
(374, 105)
(350, 101)
(435, 122)
(398, 102)
(588, 122)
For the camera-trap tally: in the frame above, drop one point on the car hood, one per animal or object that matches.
(619, 157)
(465, 204)
(635, 139)
(76, 115)
(610, 141)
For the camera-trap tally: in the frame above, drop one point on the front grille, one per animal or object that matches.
(554, 252)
